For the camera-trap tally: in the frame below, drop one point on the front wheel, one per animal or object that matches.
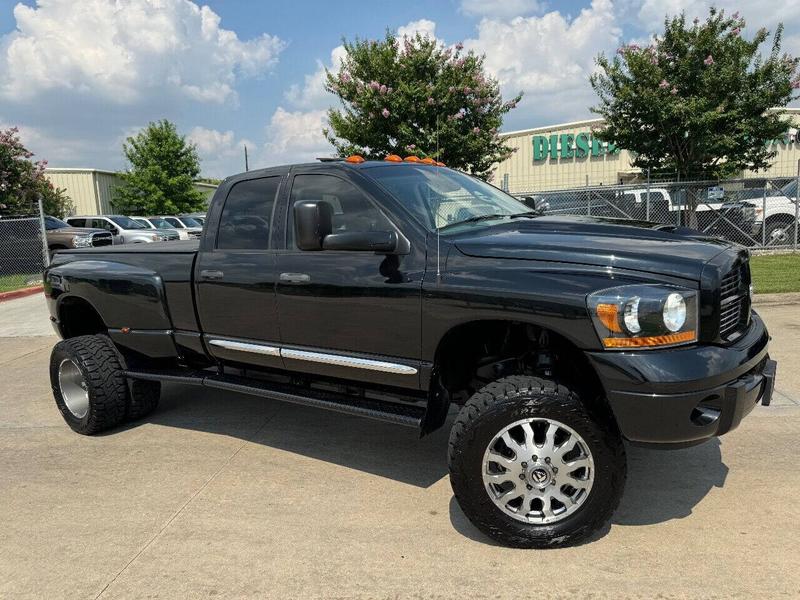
(531, 467)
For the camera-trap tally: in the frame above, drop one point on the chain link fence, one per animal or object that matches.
(23, 251)
(760, 213)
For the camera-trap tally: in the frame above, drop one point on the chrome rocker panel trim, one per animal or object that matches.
(318, 357)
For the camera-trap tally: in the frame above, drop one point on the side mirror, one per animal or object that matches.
(537, 204)
(114, 230)
(313, 221)
(366, 241)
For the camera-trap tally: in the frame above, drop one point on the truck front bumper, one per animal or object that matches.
(684, 396)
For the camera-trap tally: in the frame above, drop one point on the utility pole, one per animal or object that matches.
(246, 163)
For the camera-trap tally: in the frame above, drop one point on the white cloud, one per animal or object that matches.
(312, 93)
(123, 51)
(424, 27)
(549, 58)
(500, 8)
(295, 137)
(221, 153)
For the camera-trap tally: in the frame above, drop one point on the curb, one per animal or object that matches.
(782, 299)
(20, 293)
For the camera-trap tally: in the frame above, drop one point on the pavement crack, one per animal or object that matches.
(177, 513)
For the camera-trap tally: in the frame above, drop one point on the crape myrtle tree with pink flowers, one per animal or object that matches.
(413, 96)
(696, 102)
(22, 180)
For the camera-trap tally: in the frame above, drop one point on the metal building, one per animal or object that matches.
(568, 156)
(92, 190)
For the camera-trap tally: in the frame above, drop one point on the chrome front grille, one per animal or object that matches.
(734, 300)
(102, 239)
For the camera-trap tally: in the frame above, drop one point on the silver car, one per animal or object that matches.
(161, 225)
(188, 224)
(124, 229)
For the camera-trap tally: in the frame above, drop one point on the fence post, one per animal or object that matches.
(42, 231)
(796, 205)
(764, 219)
(647, 206)
(588, 203)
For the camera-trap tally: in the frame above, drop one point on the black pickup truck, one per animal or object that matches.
(397, 290)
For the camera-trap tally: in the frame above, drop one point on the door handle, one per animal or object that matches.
(295, 278)
(206, 274)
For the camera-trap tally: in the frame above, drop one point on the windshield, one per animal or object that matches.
(51, 223)
(160, 223)
(127, 223)
(191, 222)
(443, 197)
(790, 189)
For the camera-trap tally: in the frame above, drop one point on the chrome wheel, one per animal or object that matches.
(73, 388)
(779, 235)
(538, 470)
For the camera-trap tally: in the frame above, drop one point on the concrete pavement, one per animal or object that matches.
(220, 495)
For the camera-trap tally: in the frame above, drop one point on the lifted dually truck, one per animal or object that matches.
(395, 289)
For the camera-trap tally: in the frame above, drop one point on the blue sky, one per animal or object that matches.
(78, 76)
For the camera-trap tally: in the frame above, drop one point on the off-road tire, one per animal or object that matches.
(99, 363)
(514, 398)
(143, 399)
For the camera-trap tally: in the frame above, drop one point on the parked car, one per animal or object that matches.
(730, 220)
(186, 224)
(61, 235)
(124, 229)
(776, 216)
(393, 291)
(161, 225)
(199, 217)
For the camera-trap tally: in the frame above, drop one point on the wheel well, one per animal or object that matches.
(780, 218)
(77, 317)
(474, 354)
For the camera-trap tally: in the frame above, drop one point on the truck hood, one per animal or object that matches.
(76, 230)
(603, 242)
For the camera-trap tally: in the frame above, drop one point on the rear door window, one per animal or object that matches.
(247, 215)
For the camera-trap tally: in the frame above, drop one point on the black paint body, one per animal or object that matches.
(399, 307)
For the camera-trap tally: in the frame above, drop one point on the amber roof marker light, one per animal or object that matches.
(354, 159)
(393, 158)
(412, 159)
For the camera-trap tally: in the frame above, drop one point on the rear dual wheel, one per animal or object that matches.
(90, 389)
(532, 467)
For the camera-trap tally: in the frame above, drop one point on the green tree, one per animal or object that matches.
(22, 181)
(163, 166)
(413, 96)
(696, 102)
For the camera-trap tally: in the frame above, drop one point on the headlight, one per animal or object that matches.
(82, 241)
(644, 316)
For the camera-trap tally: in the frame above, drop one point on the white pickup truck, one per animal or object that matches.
(771, 221)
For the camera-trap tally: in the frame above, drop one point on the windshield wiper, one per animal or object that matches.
(477, 218)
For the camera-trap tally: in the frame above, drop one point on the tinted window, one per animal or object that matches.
(245, 220)
(190, 222)
(51, 223)
(77, 222)
(127, 223)
(101, 224)
(352, 210)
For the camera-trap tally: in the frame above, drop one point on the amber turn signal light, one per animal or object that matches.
(654, 340)
(609, 316)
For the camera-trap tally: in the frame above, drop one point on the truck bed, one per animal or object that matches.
(176, 247)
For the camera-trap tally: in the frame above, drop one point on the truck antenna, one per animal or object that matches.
(436, 224)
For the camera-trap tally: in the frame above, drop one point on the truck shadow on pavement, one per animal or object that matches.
(661, 486)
